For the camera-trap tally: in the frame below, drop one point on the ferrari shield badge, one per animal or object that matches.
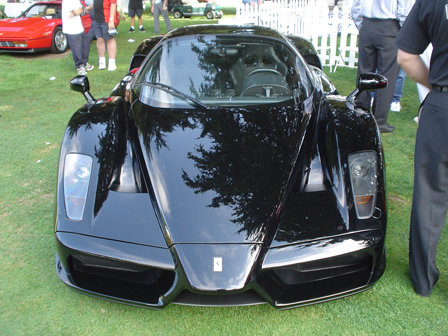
(217, 264)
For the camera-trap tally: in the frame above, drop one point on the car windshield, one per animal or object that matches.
(223, 70)
(52, 11)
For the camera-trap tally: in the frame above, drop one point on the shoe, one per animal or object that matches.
(112, 67)
(416, 119)
(81, 71)
(386, 128)
(142, 29)
(89, 67)
(395, 107)
(131, 30)
(102, 65)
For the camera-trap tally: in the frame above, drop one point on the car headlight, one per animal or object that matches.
(77, 171)
(363, 174)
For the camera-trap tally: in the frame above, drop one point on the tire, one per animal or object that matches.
(177, 14)
(210, 15)
(220, 14)
(59, 42)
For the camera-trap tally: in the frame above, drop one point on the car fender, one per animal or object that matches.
(99, 131)
(350, 129)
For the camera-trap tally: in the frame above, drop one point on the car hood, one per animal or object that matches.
(220, 175)
(24, 27)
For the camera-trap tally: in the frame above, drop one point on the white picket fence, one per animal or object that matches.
(332, 32)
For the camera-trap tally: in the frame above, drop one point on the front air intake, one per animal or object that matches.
(120, 279)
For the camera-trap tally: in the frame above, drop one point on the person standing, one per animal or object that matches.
(105, 23)
(159, 7)
(89, 9)
(427, 23)
(395, 106)
(77, 39)
(136, 8)
(378, 22)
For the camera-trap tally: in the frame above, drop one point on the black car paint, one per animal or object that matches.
(300, 222)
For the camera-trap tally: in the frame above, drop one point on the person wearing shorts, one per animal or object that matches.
(106, 21)
(136, 8)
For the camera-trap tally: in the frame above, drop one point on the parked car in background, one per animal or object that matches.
(189, 8)
(221, 171)
(38, 28)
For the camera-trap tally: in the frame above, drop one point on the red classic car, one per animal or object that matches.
(38, 28)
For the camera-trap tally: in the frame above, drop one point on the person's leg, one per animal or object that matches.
(166, 19)
(131, 14)
(85, 49)
(386, 65)
(101, 46)
(430, 200)
(75, 43)
(367, 57)
(399, 84)
(157, 10)
(139, 13)
(111, 48)
(112, 52)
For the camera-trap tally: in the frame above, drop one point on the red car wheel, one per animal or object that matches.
(59, 42)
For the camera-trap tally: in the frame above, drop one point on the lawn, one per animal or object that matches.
(33, 301)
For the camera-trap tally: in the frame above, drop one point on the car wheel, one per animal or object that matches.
(59, 42)
(210, 15)
(177, 14)
(220, 14)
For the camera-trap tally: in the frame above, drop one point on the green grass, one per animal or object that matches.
(33, 301)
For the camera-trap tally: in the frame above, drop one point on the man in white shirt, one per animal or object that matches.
(159, 7)
(77, 39)
(379, 22)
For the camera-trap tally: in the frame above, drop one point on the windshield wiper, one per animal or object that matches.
(175, 92)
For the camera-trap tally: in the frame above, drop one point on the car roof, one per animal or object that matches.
(48, 3)
(217, 29)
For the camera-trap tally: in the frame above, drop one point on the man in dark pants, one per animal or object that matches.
(428, 23)
(378, 22)
(77, 39)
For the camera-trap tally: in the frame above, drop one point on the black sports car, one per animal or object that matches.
(223, 170)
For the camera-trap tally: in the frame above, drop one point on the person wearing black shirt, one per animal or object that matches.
(427, 23)
(136, 8)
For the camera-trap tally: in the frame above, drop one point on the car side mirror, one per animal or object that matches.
(366, 82)
(81, 84)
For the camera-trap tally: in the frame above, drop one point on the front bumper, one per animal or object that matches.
(285, 277)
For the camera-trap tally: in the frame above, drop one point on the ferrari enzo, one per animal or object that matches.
(37, 29)
(223, 170)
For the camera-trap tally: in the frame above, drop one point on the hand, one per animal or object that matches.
(111, 25)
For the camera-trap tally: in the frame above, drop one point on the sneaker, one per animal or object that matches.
(395, 107)
(89, 67)
(102, 65)
(81, 71)
(112, 67)
(131, 30)
(386, 128)
(142, 29)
